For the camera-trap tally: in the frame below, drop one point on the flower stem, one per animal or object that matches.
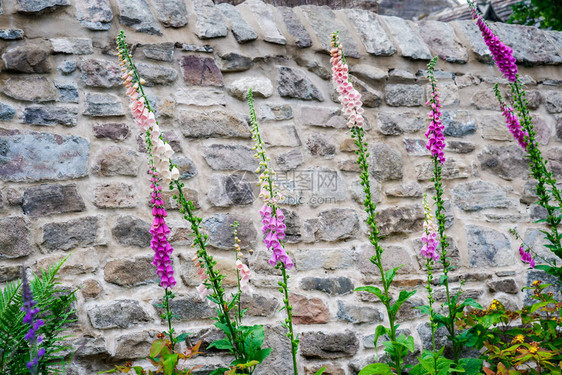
(167, 296)
(289, 321)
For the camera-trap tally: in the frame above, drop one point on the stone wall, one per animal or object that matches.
(73, 175)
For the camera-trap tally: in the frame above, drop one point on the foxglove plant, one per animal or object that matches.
(273, 226)
(351, 101)
(549, 195)
(244, 342)
(32, 337)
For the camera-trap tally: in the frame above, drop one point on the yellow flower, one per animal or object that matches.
(536, 283)
(534, 348)
(518, 339)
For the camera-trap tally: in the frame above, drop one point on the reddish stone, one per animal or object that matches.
(309, 311)
(111, 130)
(200, 71)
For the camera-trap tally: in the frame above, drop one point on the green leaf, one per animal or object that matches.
(170, 363)
(472, 366)
(182, 337)
(376, 369)
(443, 279)
(222, 344)
(219, 371)
(407, 342)
(424, 309)
(261, 354)
(389, 275)
(321, 371)
(472, 303)
(156, 348)
(379, 331)
(371, 289)
(402, 297)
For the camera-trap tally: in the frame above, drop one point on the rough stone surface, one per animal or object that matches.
(101, 105)
(159, 51)
(400, 95)
(293, 83)
(469, 29)
(333, 286)
(488, 247)
(114, 195)
(116, 161)
(30, 89)
(239, 27)
(11, 34)
(100, 73)
(116, 131)
(441, 38)
(215, 123)
(399, 220)
(171, 13)
(458, 123)
(44, 200)
(478, 195)
(553, 100)
(156, 74)
(209, 22)
(50, 115)
(295, 27)
(94, 14)
(131, 231)
(38, 7)
(507, 162)
(235, 189)
(130, 272)
(27, 59)
(358, 313)
(124, 313)
(289, 160)
(42, 156)
(264, 16)
(329, 345)
(452, 169)
(71, 234)
(68, 92)
(386, 162)
(309, 310)
(15, 238)
(220, 231)
(261, 87)
(230, 158)
(234, 62)
(7, 112)
(321, 145)
(408, 40)
(503, 285)
(200, 71)
(374, 37)
(337, 224)
(391, 123)
(72, 46)
(136, 14)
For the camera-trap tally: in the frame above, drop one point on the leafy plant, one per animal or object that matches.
(55, 305)
(546, 14)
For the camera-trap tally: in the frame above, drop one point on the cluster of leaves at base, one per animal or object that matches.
(522, 342)
(57, 313)
(252, 338)
(546, 14)
(164, 358)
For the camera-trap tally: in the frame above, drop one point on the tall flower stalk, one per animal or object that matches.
(521, 126)
(273, 226)
(163, 171)
(32, 337)
(353, 110)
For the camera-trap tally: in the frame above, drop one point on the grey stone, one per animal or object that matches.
(485, 99)
(458, 123)
(67, 67)
(9, 273)
(328, 259)
(100, 73)
(263, 15)
(557, 130)
(325, 117)
(261, 87)
(101, 105)
(235, 189)
(130, 272)
(386, 162)
(276, 337)
(114, 195)
(71, 234)
(171, 13)
(11, 34)
(320, 145)
(466, 80)
(530, 45)
(493, 127)
(327, 187)
(72, 46)
(370, 97)
(7, 112)
(136, 14)
(39, 7)
(368, 72)
(186, 167)
(210, 23)
(400, 220)
(215, 123)
(337, 224)
(329, 345)
(553, 100)
(392, 123)
(357, 314)
(68, 92)
(200, 71)
(295, 27)
(400, 95)
(230, 158)
(374, 37)
(424, 330)
(441, 38)
(42, 156)
(277, 112)
(333, 286)
(503, 285)
(206, 48)
(234, 62)
(416, 147)
(409, 42)
(289, 160)
(50, 199)
(258, 305)
(124, 313)
(15, 238)
(488, 247)
(220, 231)
(474, 36)
(94, 14)
(27, 59)
(324, 21)
(392, 257)
(133, 345)
(239, 27)
(412, 190)
(50, 115)
(190, 307)
(116, 161)
(112, 130)
(281, 135)
(159, 51)
(478, 195)
(30, 89)
(536, 240)
(156, 74)
(452, 169)
(554, 156)
(131, 231)
(460, 147)
(294, 83)
(507, 162)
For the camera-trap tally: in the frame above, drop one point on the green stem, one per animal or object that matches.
(376, 259)
(169, 317)
(289, 320)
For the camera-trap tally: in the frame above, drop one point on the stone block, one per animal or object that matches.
(123, 313)
(131, 272)
(329, 345)
(15, 238)
(51, 199)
